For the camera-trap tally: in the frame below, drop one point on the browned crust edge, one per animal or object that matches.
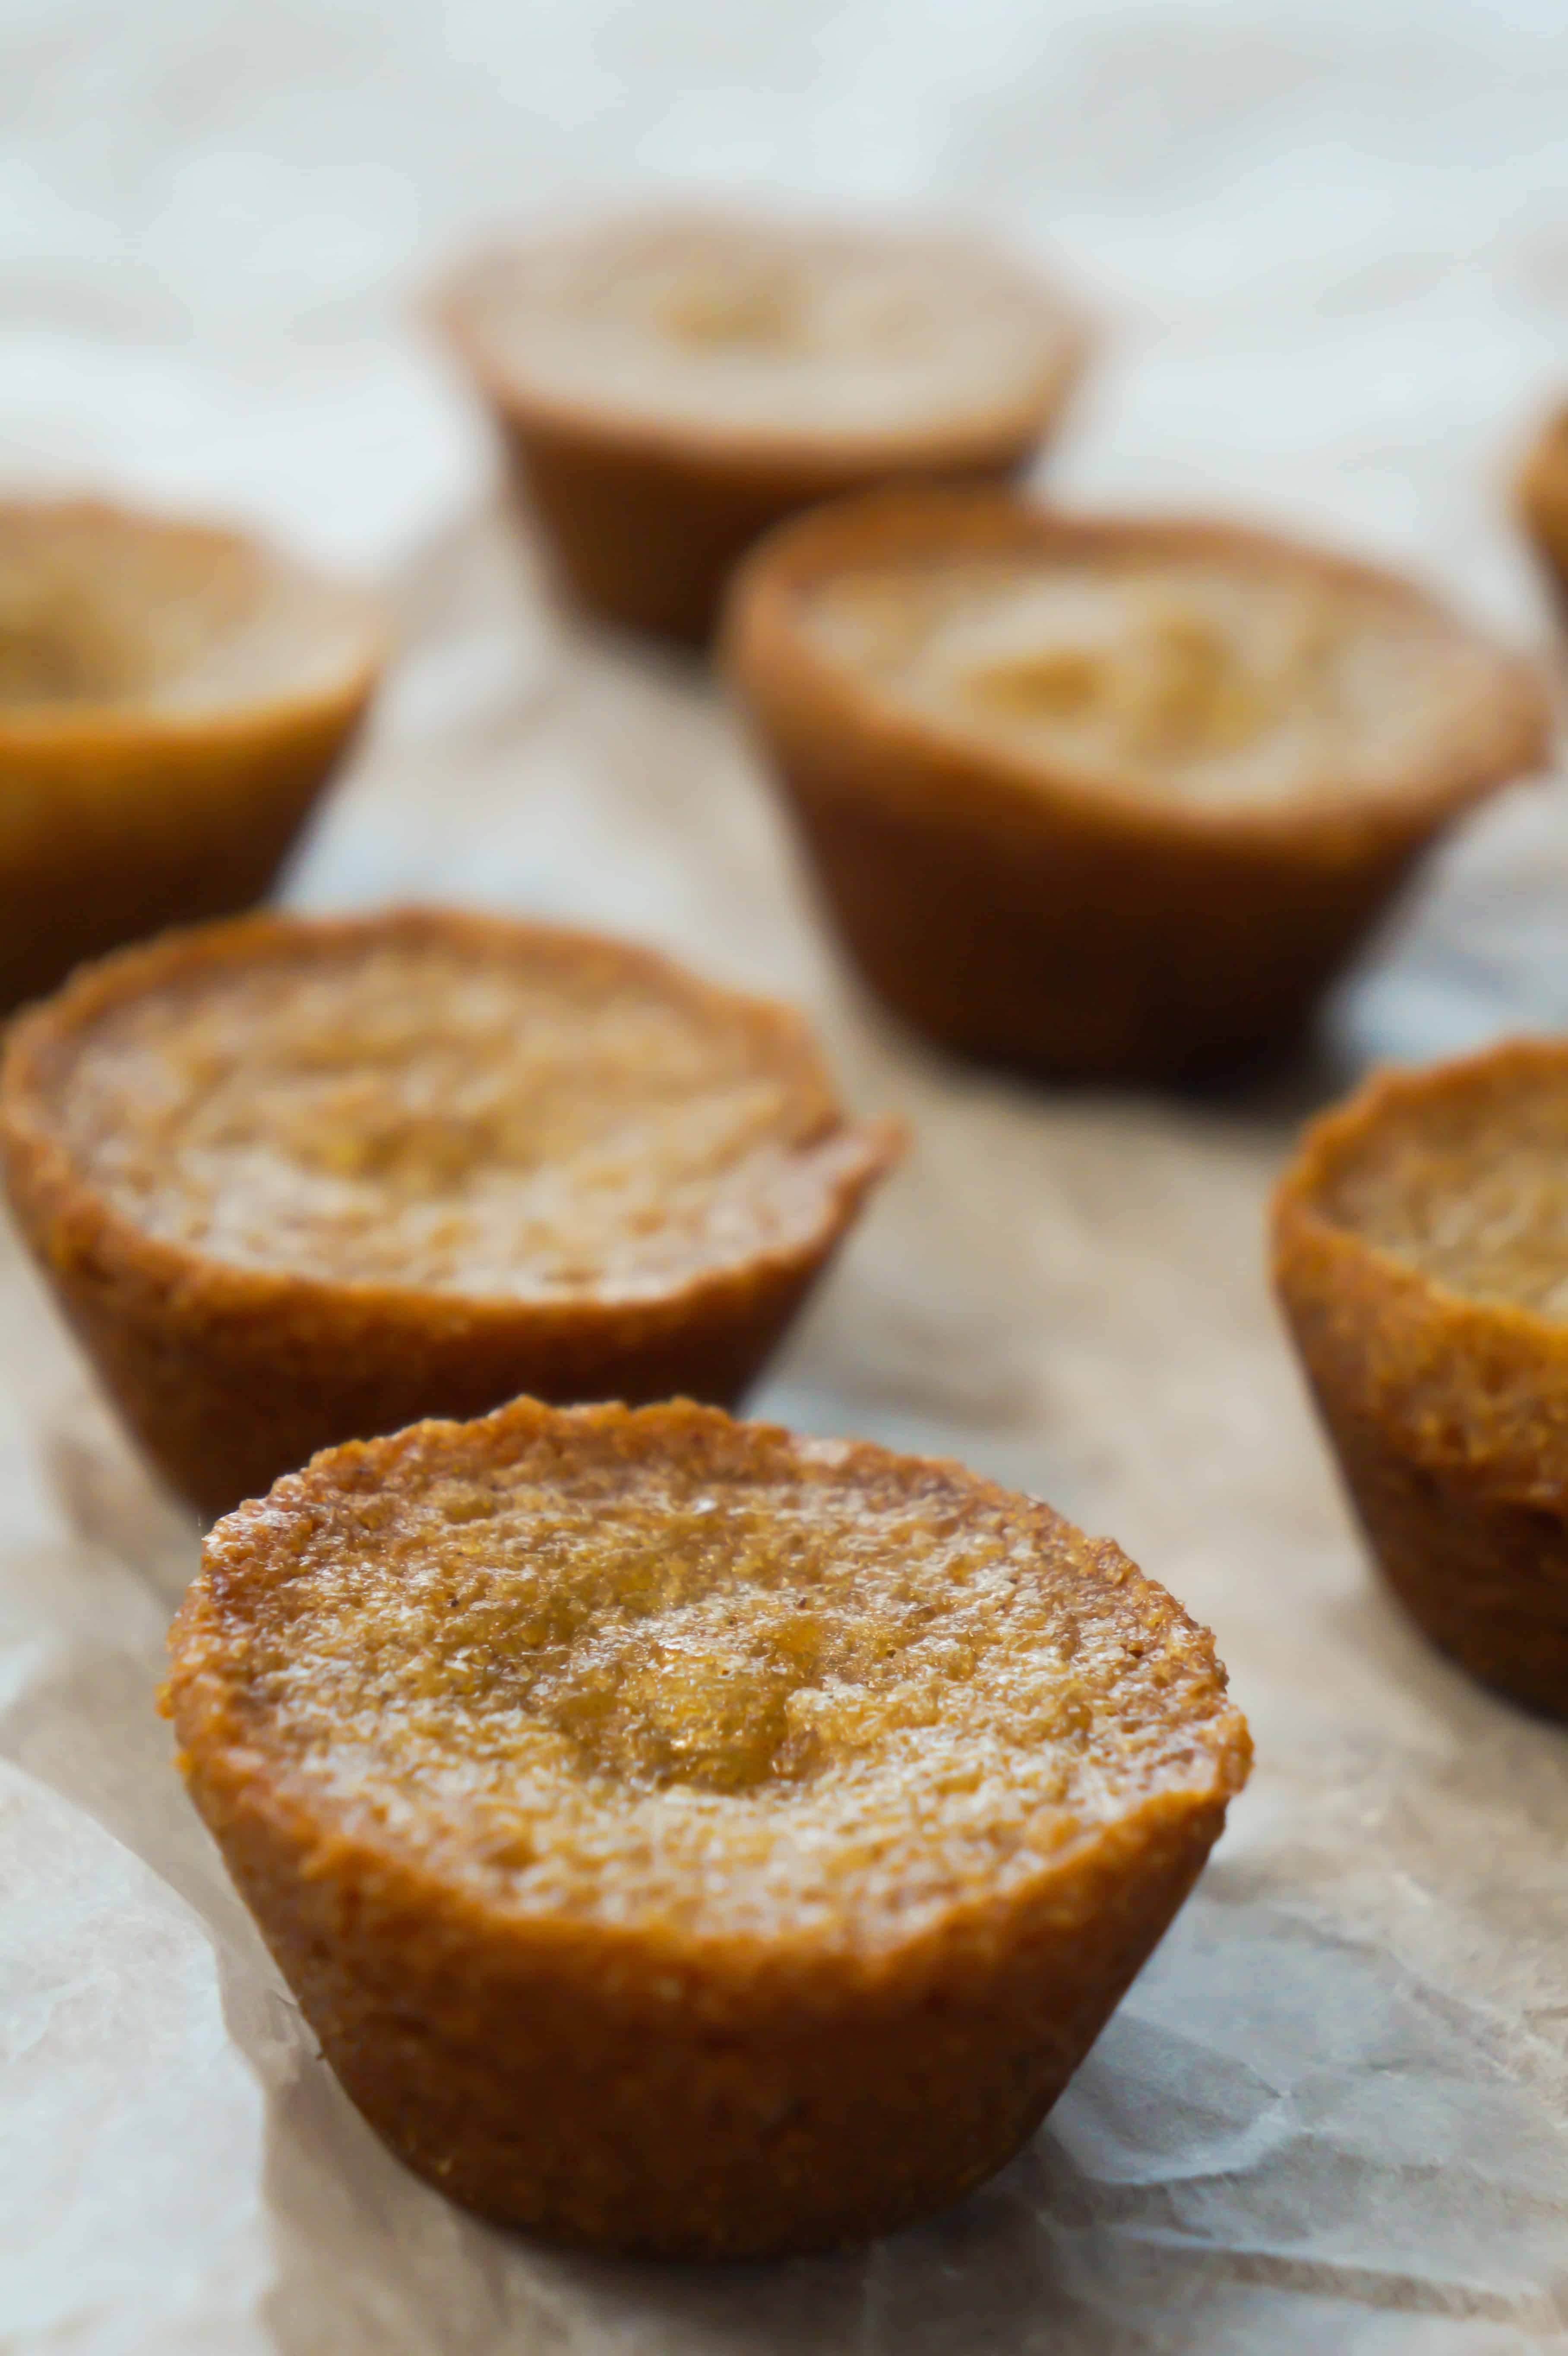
(229, 1377)
(1034, 916)
(649, 2091)
(1449, 1415)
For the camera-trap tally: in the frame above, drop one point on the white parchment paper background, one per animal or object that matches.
(1329, 246)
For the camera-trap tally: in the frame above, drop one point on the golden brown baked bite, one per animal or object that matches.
(687, 1839)
(1544, 502)
(172, 698)
(1420, 1252)
(1107, 799)
(669, 387)
(298, 1181)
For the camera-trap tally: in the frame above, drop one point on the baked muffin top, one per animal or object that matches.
(1463, 1172)
(1218, 672)
(662, 1670)
(103, 611)
(781, 332)
(454, 1103)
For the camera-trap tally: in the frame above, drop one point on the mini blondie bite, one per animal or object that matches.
(669, 387)
(1108, 799)
(686, 1838)
(1421, 1254)
(297, 1181)
(173, 698)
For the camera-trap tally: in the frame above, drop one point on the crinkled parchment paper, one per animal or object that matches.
(1333, 246)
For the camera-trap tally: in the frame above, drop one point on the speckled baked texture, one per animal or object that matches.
(1542, 498)
(171, 699)
(686, 1838)
(1075, 927)
(1416, 1237)
(254, 1265)
(646, 505)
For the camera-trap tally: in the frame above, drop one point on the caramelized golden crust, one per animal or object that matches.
(547, 1119)
(687, 1838)
(297, 1181)
(1420, 1253)
(1106, 798)
(172, 698)
(670, 388)
(1544, 502)
(1236, 678)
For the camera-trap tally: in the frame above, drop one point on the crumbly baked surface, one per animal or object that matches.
(1209, 680)
(102, 609)
(670, 1673)
(782, 330)
(686, 1838)
(1470, 1184)
(521, 1115)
